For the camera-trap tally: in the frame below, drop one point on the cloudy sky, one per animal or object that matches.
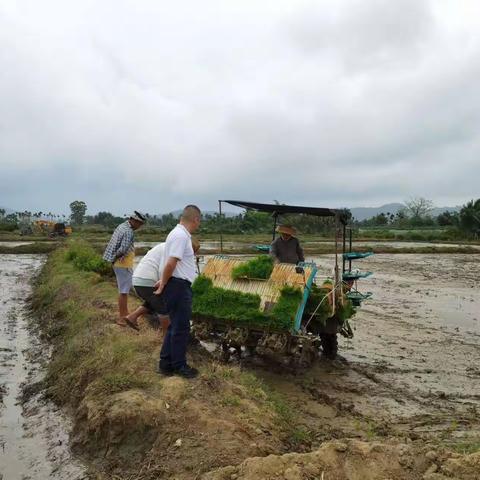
(154, 104)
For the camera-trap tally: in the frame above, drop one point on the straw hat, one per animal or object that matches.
(287, 229)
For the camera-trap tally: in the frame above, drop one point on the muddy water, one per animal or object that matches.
(14, 244)
(33, 433)
(213, 245)
(414, 362)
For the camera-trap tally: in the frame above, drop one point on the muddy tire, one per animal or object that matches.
(329, 344)
(225, 354)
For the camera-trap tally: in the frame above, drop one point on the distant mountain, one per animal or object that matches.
(438, 210)
(359, 213)
(363, 213)
(177, 213)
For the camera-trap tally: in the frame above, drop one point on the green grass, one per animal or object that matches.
(230, 401)
(119, 382)
(85, 258)
(257, 388)
(467, 447)
(106, 375)
(300, 436)
(89, 354)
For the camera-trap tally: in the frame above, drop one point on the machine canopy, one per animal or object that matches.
(277, 209)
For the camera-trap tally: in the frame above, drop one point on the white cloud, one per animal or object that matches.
(333, 102)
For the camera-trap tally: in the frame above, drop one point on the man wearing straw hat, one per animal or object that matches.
(120, 252)
(286, 248)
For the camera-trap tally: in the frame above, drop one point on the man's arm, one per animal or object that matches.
(274, 251)
(301, 257)
(168, 269)
(125, 244)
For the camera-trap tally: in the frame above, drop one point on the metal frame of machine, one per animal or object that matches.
(343, 276)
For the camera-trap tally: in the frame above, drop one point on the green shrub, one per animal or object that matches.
(85, 258)
(8, 227)
(258, 268)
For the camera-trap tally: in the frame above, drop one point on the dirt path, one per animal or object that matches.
(33, 433)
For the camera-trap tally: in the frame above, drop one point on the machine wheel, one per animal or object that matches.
(225, 355)
(329, 345)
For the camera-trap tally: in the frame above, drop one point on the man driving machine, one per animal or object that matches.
(286, 248)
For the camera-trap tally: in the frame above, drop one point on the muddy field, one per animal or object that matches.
(410, 375)
(413, 367)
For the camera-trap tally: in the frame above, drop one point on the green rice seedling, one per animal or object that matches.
(285, 309)
(318, 302)
(244, 308)
(345, 311)
(259, 268)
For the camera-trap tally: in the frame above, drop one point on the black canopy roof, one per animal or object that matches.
(283, 209)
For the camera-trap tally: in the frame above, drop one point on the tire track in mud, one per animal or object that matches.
(412, 367)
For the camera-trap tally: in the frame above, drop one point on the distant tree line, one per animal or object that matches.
(416, 214)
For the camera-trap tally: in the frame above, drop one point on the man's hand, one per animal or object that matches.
(168, 269)
(158, 287)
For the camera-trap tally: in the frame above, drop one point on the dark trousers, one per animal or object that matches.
(154, 303)
(178, 296)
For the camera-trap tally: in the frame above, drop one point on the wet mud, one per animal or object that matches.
(211, 246)
(413, 367)
(34, 441)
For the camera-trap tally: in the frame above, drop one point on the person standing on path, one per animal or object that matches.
(176, 286)
(148, 272)
(120, 252)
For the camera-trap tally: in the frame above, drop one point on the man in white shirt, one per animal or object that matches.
(175, 284)
(146, 274)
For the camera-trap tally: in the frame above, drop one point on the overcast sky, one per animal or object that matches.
(154, 104)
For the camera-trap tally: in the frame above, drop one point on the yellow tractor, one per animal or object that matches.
(52, 229)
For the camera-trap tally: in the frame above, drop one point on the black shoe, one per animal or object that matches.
(165, 370)
(186, 372)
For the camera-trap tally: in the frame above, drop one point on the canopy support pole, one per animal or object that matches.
(221, 226)
(275, 217)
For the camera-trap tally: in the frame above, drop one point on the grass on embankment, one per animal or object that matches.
(125, 414)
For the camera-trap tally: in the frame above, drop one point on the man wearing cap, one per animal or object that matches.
(286, 248)
(120, 252)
